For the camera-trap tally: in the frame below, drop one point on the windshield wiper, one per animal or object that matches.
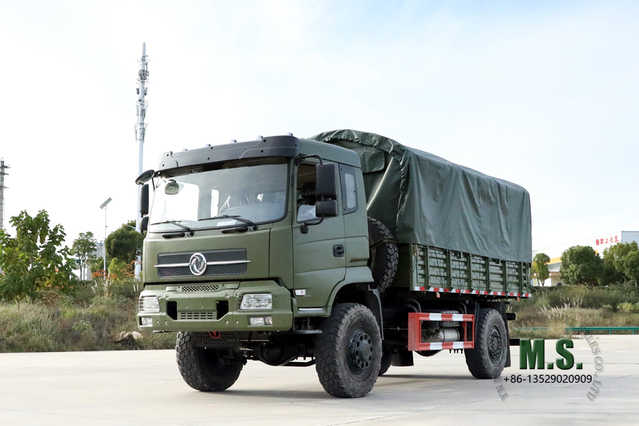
(237, 217)
(176, 222)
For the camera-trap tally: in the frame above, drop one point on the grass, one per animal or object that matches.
(575, 306)
(90, 320)
(93, 317)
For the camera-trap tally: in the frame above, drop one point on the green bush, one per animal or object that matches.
(92, 318)
(55, 298)
(580, 296)
(128, 288)
(555, 308)
(84, 293)
(628, 307)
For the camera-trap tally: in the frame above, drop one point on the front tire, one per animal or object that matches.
(488, 358)
(206, 369)
(349, 351)
(387, 360)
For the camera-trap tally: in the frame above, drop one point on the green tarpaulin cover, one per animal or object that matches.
(427, 200)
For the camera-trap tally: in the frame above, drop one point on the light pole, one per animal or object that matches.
(103, 207)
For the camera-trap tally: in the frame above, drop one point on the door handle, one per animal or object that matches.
(338, 250)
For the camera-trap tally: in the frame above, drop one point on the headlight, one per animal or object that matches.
(257, 301)
(149, 304)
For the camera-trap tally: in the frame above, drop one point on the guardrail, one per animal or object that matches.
(586, 330)
(530, 328)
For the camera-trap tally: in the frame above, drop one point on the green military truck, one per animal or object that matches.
(347, 251)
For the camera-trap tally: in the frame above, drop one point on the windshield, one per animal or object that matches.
(221, 195)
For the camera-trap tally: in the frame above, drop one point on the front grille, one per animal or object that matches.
(211, 270)
(197, 316)
(172, 265)
(180, 271)
(194, 288)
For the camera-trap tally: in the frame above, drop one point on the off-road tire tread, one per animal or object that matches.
(385, 273)
(477, 359)
(330, 366)
(193, 372)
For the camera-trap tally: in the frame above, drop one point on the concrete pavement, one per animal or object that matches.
(145, 388)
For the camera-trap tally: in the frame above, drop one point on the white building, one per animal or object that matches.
(598, 243)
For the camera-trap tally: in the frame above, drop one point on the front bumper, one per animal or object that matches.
(215, 307)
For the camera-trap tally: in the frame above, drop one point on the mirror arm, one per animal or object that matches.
(312, 222)
(300, 158)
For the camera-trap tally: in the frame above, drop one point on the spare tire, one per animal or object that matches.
(382, 254)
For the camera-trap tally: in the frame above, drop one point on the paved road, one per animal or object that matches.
(144, 388)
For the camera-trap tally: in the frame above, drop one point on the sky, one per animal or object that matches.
(543, 94)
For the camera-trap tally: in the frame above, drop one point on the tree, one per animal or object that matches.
(581, 265)
(34, 259)
(540, 267)
(611, 274)
(96, 266)
(124, 243)
(83, 247)
(624, 258)
(119, 270)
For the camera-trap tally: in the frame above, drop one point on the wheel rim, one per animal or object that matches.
(361, 351)
(495, 348)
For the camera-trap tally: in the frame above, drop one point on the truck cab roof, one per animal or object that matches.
(271, 146)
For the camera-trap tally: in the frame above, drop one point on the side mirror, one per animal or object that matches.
(144, 224)
(327, 208)
(144, 200)
(144, 177)
(326, 181)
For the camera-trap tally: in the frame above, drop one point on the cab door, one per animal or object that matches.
(318, 247)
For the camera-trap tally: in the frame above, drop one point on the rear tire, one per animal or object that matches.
(207, 369)
(349, 351)
(488, 358)
(382, 258)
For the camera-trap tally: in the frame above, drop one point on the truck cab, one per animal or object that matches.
(240, 239)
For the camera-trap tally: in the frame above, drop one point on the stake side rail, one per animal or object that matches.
(439, 270)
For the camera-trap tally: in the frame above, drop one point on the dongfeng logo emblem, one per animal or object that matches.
(197, 264)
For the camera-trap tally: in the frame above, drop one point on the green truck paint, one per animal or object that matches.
(318, 252)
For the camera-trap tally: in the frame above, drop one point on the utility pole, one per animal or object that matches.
(103, 207)
(140, 130)
(2, 188)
